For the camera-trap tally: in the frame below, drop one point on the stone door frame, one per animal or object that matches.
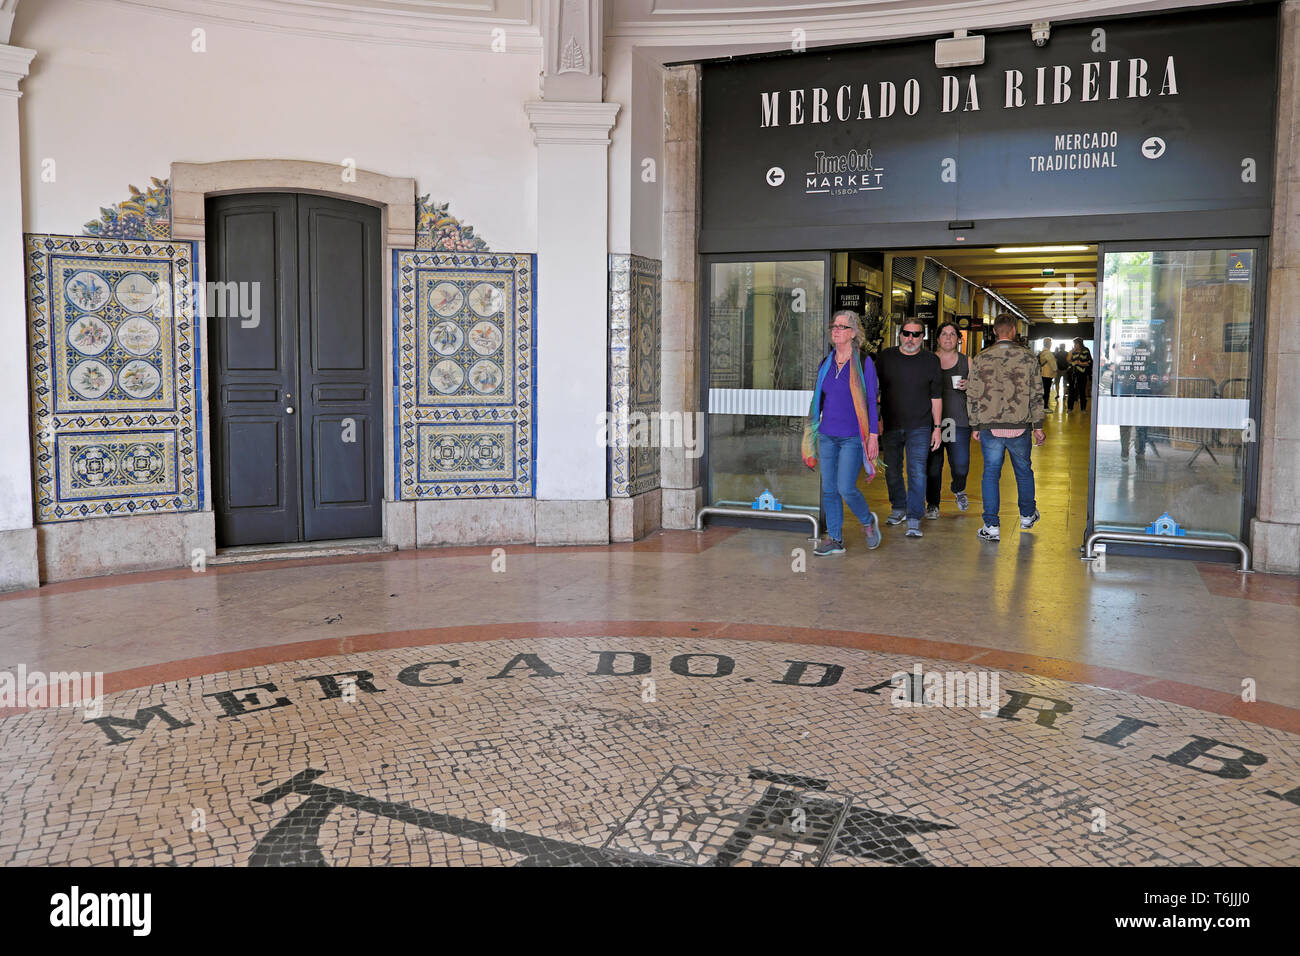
(193, 183)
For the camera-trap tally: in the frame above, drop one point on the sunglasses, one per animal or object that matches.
(911, 335)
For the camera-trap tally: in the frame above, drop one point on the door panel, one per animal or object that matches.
(252, 261)
(767, 337)
(297, 380)
(345, 480)
(1174, 391)
(338, 293)
(339, 369)
(256, 477)
(248, 240)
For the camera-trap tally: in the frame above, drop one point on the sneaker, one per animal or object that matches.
(828, 546)
(913, 528)
(962, 501)
(990, 532)
(896, 517)
(873, 532)
(932, 512)
(1031, 520)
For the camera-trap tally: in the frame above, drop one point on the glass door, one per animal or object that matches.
(1174, 384)
(767, 335)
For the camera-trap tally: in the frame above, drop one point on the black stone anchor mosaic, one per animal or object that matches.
(711, 818)
(690, 818)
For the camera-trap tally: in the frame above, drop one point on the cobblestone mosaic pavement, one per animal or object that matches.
(645, 751)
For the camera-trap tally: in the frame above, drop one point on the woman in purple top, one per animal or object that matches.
(843, 433)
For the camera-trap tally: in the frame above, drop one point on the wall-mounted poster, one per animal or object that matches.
(850, 297)
(1239, 264)
(1139, 371)
(1236, 336)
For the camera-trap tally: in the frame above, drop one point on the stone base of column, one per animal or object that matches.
(1275, 546)
(475, 521)
(631, 519)
(19, 568)
(399, 524)
(680, 507)
(83, 549)
(573, 522)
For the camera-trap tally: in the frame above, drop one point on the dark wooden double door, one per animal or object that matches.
(296, 378)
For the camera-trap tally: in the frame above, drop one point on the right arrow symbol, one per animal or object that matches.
(1153, 147)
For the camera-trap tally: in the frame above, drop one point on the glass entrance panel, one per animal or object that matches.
(1174, 342)
(767, 337)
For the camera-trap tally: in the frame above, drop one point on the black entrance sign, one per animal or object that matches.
(1138, 128)
(850, 297)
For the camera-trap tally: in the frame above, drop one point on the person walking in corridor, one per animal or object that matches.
(1079, 384)
(843, 429)
(1047, 368)
(911, 406)
(955, 432)
(1062, 371)
(1006, 402)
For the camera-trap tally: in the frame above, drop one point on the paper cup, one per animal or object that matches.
(956, 381)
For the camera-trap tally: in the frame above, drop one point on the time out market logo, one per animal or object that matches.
(843, 174)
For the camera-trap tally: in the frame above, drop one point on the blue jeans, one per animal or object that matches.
(909, 496)
(995, 449)
(958, 463)
(841, 460)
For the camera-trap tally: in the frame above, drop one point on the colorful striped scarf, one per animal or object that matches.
(864, 391)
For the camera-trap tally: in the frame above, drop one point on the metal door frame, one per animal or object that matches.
(1259, 336)
(705, 295)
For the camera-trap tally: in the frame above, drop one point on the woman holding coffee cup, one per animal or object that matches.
(955, 429)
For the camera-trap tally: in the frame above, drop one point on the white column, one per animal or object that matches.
(18, 565)
(572, 252)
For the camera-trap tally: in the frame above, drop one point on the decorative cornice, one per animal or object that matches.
(15, 62)
(582, 124)
(460, 25)
(722, 28)
(7, 10)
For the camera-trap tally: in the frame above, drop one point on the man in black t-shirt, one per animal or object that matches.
(911, 407)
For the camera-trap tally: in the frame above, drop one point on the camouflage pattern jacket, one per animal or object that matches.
(1004, 389)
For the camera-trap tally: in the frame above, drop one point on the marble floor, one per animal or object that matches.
(718, 699)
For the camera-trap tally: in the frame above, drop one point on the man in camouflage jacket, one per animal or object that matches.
(1004, 398)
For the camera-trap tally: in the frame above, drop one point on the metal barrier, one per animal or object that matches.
(1135, 538)
(752, 513)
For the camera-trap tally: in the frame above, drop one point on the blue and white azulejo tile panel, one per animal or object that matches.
(114, 363)
(635, 338)
(96, 465)
(464, 360)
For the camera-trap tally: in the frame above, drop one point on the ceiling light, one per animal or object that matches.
(1041, 249)
(1072, 321)
(1059, 321)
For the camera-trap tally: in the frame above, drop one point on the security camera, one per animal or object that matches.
(1041, 31)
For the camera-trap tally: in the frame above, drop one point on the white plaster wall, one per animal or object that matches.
(116, 94)
(635, 80)
(572, 356)
(15, 439)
